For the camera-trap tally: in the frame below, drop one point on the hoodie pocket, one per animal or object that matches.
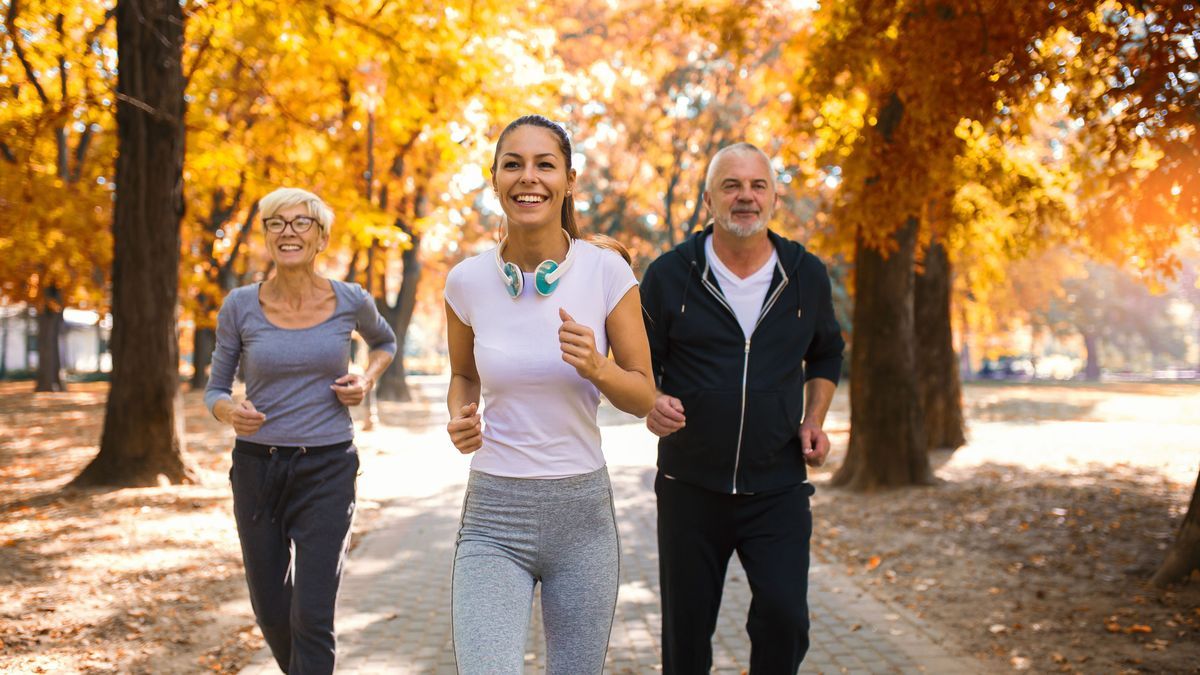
(711, 433)
(771, 429)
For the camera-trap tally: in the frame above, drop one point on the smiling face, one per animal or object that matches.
(295, 249)
(531, 177)
(741, 195)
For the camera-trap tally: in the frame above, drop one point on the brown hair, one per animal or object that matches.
(568, 207)
(605, 241)
(564, 145)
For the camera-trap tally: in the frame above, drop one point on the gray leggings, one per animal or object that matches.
(516, 532)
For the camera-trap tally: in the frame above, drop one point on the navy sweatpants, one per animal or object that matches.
(294, 508)
(698, 531)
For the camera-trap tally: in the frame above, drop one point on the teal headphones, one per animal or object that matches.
(545, 276)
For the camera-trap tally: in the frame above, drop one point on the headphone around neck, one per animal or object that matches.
(545, 276)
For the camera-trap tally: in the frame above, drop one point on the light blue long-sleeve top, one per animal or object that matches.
(288, 371)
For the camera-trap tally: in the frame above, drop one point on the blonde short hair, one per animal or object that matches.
(284, 197)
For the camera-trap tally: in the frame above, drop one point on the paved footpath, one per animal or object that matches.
(394, 612)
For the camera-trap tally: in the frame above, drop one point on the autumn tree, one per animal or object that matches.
(372, 107)
(264, 101)
(1011, 200)
(1128, 73)
(430, 122)
(879, 209)
(1109, 308)
(141, 440)
(55, 144)
(1130, 81)
(912, 72)
(653, 91)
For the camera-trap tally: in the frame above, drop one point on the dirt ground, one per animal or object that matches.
(1033, 551)
(131, 581)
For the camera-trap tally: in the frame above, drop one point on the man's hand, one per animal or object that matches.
(666, 417)
(815, 443)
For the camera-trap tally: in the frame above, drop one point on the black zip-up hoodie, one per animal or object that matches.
(743, 399)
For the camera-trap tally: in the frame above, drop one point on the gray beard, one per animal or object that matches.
(742, 232)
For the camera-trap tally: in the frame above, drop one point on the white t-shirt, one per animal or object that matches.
(745, 296)
(539, 415)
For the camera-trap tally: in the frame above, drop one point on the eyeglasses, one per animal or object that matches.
(300, 224)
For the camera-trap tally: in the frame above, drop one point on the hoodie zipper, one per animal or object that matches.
(737, 455)
(716, 293)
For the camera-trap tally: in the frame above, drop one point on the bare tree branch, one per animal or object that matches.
(239, 241)
(59, 21)
(200, 53)
(148, 109)
(10, 27)
(60, 144)
(60, 133)
(382, 6)
(81, 150)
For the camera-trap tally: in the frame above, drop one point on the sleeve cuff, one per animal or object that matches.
(211, 398)
(829, 369)
(389, 347)
(457, 311)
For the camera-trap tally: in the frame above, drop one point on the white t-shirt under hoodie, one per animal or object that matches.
(745, 296)
(539, 415)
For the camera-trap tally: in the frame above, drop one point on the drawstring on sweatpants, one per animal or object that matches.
(287, 484)
(273, 492)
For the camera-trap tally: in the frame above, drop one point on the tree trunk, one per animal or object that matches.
(49, 337)
(937, 364)
(1184, 555)
(141, 441)
(203, 342)
(30, 334)
(964, 358)
(1091, 372)
(4, 320)
(393, 385)
(100, 348)
(887, 440)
